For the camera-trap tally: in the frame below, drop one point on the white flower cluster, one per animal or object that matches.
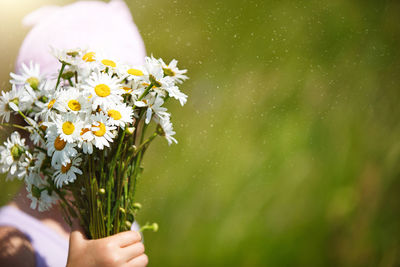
(78, 109)
(18, 162)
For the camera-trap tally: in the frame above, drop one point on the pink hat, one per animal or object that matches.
(104, 27)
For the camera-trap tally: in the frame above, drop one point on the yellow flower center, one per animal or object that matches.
(109, 63)
(59, 144)
(85, 130)
(101, 131)
(74, 105)
(115, 114)
(102, 90)
(127, 89)
(135, 72)
(68, 127)
(168, 72)
(72, 53)
(65, 169)
(51, 103)
(33, 82)
(16, 151)
(89, 57)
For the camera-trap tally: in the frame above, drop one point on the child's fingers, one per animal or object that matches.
(140, 261)
(126, 238)
(132, 251)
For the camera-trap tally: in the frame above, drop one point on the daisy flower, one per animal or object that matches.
(18, 97)
(100, 62)
(12, 154)
(100, 132)
(66, 173)
(156, 73)
(38, 159)
(138, 88)
(69, 127)
(25, 165)
(60, 150)
(35, 132)
(67, 56)
(38, 193)
(87, 146)
(29, 76)
(72, 100)
(5, 99)
(104, 90)
(27, 96)
(166, 130)
(174, 92)
(154, 106)
(47, 107)
(46, 90)
(119, 115)
(172, 71)
(135, 73)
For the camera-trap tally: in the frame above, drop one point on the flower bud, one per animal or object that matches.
(68, 75)
(147, 226)
(137, 206)
(102, 191)
(128, 224)
(155, 227)
(130, 130)
(44, 99)
(132, 149)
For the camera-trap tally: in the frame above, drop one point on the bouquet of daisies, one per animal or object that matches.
(88, 128)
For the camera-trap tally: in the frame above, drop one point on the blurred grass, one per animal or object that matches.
(289, 146)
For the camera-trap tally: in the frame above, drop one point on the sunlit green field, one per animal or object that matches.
(289, 145)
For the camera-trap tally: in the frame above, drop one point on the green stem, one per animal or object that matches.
(102, 176)
(109, 205)
(59, 75)
(146, 91)
(14, 125)
(146, 143)
(116, 155)
(41, 149)
(34, 128)
(76, 77)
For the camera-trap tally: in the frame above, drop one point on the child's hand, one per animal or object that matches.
(123, 249)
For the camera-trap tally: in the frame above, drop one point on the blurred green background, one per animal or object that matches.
(289, 144)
